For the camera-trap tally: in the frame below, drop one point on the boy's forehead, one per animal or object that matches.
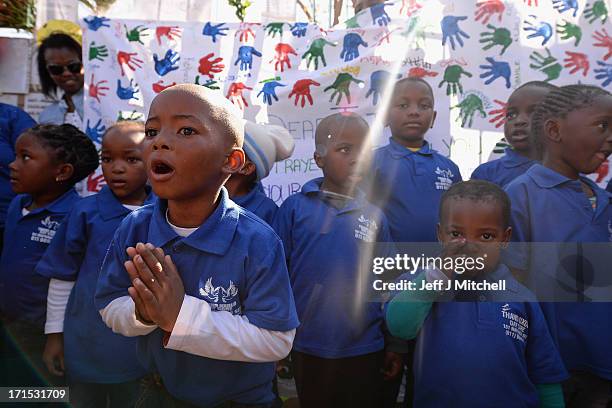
(528, 94)
(466, 206)
(412, 89)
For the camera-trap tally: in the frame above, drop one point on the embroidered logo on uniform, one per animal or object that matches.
(220, 298)
(46, 231)
(515, 325)
(366, 229)
(445, 179)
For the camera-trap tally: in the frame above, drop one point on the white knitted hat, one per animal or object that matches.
(265, 145)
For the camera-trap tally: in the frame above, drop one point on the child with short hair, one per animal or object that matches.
(338, 352)
(521, 154)
(99, 364)
(264, 145)
(491, 347)
(553, 203)
(49, 161)
(201, 281)
(409, 177)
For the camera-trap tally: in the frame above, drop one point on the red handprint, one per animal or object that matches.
(577, 61)
(498, 115)
(419, 72)
(234, 94)
(245, 30)
(282, 56)
(301, 90)
(95, 182)
(128, 59)
(207, 66)
(529, 2)
(159, 86)
(602, 171)
(96, 89)
(487, 8)
(605, 41)
(167, 31)
(411, 6)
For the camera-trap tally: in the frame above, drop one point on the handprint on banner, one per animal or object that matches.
(96, 131)
(129, 59)
(245, 31)
(452, 75)
(604, 73)
(281, 56)
(603, 40)
(301, 90)
(352, 22)
(569, 30)
(95, 182)
(378, 81)
(564, 5)
(95, 22)
(299, 29)
(97, 89)
(531, 2)
(341, 86)
(598, 11)
(213, 31)
(167, 64)
(411, 7)
(468, 108)
(386, 37)
(97, 52)
(451, 30)
(269, 91)
(486, 9)
(577, 61)
(136, 33)
(170, 32)
(274, 28)
(538, 29)
(419, 72)
(133, 115)
(127, 93)
(496, 69)
(379, 15)
(546, 64)
(210, 67)
(245, 57)
(499, 36)
(350, 46)
(499, 115)
(210, 83)
(159, 86)
(234, 94)
(415, 31)
(316, 51)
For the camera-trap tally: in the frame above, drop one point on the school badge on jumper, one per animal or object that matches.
(445, 178)
(366, 229)
(220, 298)
(46, 231)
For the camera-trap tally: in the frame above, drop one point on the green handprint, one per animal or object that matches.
(352, 22)
(468, 108)
(316, 51)
(136, 33)
(569, 30)
(418, 32)
(97, 52)
(452, 74)
(598, 11)
(341, 86)
(210, 84)
(134, 115)
(499, 36)
(546, 64)
(275, 28)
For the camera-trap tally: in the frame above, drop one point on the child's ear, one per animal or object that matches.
(318, 159)
(234, 161)
(506, 237)
(64, 172)
(248, 168)
(551, 131)
(433, 119)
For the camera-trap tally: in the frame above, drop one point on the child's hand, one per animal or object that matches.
(157, 285)
(393, 365)
(453, 249)
(53, 355)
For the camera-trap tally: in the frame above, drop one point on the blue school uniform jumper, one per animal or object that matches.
(243, 260)
(257, 202)
(324, 247)
(503, 170)
(23, 293)
(408, 186)
(548, 207)
(92, 352)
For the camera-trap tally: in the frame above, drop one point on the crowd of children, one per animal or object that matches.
(181, 284)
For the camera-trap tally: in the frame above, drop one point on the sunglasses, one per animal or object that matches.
(73, 67)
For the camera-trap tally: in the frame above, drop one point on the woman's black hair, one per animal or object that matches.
(69, 145)
(54, 41)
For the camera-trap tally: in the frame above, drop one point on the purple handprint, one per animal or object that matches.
(379, 15)
(167, 64)
(350, 46)
(604, 73)
(451, 30)
(128, 92)
(214, 30)
(96, 22)
(496, 69)
(542, 29)
(245, 56)
(269, 91)
(96, 132)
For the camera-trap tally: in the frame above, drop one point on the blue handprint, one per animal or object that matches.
(350, 45)
(269, 91)
(604, 73)
(96, 132)
(543, 29)
(167, 64)
(214, 30)
(128, 92)
(378, 80)
(379, 15)
(96, 22)
(451, 30)
(245, 56)
(299, 29)
(564, 5)
(497, 69)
